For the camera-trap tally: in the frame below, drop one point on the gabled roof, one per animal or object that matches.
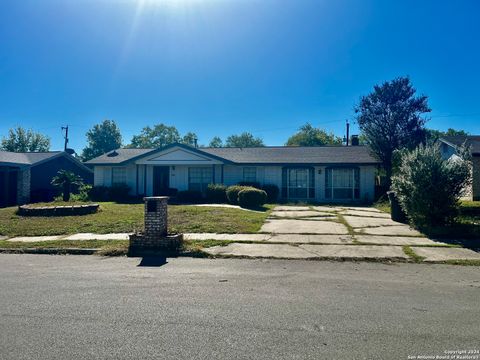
(27, 159)
(459, 140)
(256, 155)
(118, 156)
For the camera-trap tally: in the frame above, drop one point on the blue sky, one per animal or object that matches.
(218, 67)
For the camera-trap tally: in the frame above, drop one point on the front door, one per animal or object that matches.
(298, 183)
(161, 180)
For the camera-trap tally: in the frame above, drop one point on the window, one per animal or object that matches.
(249, 174)
(199, 178)
(342, 183)
(119, 175)
(298, 183)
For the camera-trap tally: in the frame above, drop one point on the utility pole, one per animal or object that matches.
(348, 132)
(65, 137)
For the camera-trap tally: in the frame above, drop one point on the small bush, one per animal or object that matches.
(272, 192)
(99, 193)
(190, 197)
(251, 197)
(429, 187)
(83, 193)
(217, 193)
(105, 193)
(119, 192)
(232, 193)
(254, 184)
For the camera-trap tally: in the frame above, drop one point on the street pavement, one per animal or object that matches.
(89, 307)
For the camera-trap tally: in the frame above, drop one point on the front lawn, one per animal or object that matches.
(118, 218)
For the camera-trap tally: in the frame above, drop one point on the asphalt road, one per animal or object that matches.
(88, 307)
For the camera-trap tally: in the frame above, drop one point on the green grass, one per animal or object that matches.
(413, 256)
(62, 244)
(117, 218)
(383, 206)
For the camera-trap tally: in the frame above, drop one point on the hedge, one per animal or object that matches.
(216, 193)
(251, 197)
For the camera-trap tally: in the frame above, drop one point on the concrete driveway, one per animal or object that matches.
(335, 232)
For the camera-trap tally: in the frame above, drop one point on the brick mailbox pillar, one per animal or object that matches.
(155, 237)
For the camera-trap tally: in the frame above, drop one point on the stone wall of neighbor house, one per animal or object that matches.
(23, 186)
(476, 178)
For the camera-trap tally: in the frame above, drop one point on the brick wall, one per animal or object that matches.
(23, 187)
(155, 236)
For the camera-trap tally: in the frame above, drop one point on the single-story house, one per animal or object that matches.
(449, 147)
(26, 177)
(326, 173)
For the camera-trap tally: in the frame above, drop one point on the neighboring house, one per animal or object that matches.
(449, 147)
(327, 173)
(26, 177)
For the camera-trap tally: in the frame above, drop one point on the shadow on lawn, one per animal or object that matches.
(466, 235)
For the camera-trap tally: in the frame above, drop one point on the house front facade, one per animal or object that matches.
(326, 174)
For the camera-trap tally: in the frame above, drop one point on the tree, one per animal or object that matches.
(429, 187)
(158, 136)
(245, 139)
(433, 135)
(66, 180)
(190, 138)
(308, 135)
(390, 119)
(216, 142)
(101, 139)
(22, 140)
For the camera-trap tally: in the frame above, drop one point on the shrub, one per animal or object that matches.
(251, 197)
(250, 184)
(429, 187)
(119, 192)
(272, 192)
(99, 193)
(83, 193)
(217, 193)
(232, 193)
(189, 196)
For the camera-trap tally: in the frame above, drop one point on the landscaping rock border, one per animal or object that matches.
(29, 210)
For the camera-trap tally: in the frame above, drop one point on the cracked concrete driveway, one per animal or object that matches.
(349, 233)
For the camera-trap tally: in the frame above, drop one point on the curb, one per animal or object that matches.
(49, 251)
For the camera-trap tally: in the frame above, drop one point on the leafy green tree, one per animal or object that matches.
(101, 139)
(22, 140)
(216, 142)
(158, 136)
(308, 135)
(433, 135)
(429, 187)
(245, 139)
(390, 118)
(190, 138)
(66, 180)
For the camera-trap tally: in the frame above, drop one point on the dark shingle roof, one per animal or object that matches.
(118, 156)
(295, 154)
(459, 140)
(25, 159)
(260, 155)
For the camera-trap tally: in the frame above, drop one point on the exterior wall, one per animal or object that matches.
(232, 174)
(476, 178)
